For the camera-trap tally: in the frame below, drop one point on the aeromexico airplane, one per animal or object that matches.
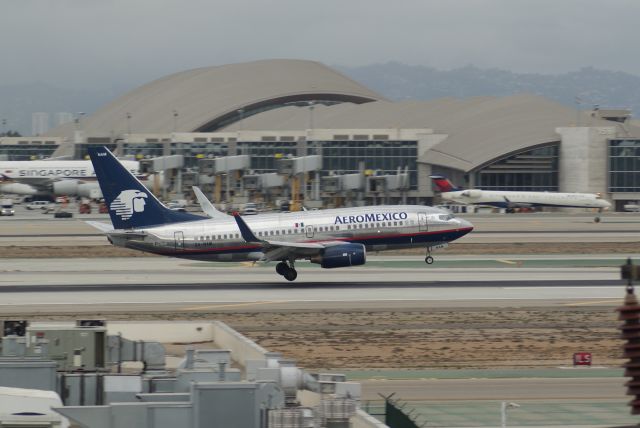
(332, 238)
(511, 199)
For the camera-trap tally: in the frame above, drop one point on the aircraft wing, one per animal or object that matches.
(207, 206)
(516, 204)
(107, 229)
(38, 183)
(281, 250)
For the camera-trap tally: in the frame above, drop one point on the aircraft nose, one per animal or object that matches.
(465, 224)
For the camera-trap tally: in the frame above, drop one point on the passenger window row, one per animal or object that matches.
(209, 238)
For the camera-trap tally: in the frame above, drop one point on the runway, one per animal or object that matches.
(61, 285)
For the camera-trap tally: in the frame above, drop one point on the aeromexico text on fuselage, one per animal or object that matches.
(371, 217)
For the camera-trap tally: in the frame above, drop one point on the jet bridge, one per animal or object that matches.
(380, 187)
(303, 172)
(167, 173)
(261, 186)
(344, 189)
(212, 171)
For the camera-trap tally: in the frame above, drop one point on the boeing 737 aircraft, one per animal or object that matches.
(332, 238)
(515, 199)
(57, 177)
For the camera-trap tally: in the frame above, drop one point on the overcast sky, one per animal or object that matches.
(84, 43)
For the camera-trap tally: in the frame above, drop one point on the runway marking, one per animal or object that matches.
(510, 262)
(611, 300)
(230, 305)
(577, 287)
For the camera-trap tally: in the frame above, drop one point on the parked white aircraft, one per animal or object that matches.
(332, 238)
(57, 177)
(517, 199)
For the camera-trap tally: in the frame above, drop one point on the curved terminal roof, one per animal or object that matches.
(207, 98)
(478, 130)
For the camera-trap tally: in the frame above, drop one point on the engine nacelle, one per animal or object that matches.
(342, 256)
(90, 190)
(65, 187)
(472, 193)
(19, 189)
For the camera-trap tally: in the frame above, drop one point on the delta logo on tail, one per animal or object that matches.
(444, 184)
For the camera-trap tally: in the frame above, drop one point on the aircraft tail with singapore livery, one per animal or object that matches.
(517, 199)
(331, 238)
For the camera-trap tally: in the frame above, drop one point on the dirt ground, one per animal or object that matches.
(448, 338)
(421, 339)
(94, 251)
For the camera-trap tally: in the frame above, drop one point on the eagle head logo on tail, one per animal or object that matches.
(128, 202)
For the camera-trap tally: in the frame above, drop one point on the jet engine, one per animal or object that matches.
(341, 256)
(65, 187)
(90, 190)
(473, 193)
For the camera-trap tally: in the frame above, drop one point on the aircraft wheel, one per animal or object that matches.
(428, 260)
(596, 219)
(281, 268)
(291, 274)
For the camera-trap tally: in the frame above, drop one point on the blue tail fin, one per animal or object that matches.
(131, 205)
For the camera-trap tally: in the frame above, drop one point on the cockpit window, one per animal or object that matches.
(445, 217)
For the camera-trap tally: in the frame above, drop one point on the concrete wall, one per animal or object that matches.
(165, 332)
(241, 348)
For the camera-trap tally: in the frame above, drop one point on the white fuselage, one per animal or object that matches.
(507, 199)
(68, 177)
(377, 227)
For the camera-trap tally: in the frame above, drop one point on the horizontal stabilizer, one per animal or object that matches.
(102, 227)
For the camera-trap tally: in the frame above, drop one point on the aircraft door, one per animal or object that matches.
(179, 240)
(423, 225)
(309, 231)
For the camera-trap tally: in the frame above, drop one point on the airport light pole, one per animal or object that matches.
(175, 120)
(128, 116)
(578, 104)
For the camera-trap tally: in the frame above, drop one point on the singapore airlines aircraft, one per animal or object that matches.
(517, 199)
(57, 177)
(332, 238)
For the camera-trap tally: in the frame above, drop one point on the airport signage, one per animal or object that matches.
(368, 218)
(582, 359)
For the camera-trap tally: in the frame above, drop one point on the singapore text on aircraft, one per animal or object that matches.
(58, 177)
(332, 238)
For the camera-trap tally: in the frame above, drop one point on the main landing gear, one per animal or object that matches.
(428, 260)
(287, 270)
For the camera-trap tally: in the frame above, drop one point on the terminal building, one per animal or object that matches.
(301, 130)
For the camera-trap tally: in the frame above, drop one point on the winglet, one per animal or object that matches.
(207, 206)
(246, 233)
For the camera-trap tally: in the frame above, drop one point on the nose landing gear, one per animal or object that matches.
(287, 270)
